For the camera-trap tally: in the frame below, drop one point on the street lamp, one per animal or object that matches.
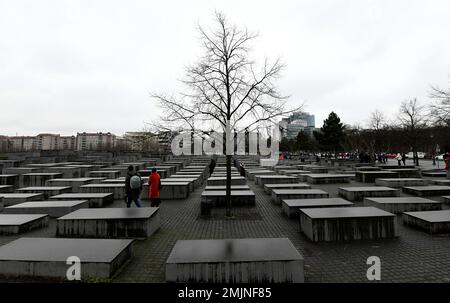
(434, 151)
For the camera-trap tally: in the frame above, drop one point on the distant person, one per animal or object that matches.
(212, 165)
(154, 185)
(399, 159)
(242, 169)
(385, 158)
(137, 173)
(133, 187)
(404, 159)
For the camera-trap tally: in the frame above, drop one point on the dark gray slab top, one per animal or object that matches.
(19, 195)
(298, 191)
(110, 213)
(223, 193)
(234, 250)
(401, 200)
(82, 196)
(316, 202)
(41, 204)
(429, 187)
(44, 188)
(7, 219)
(368, 188)
(345, 212)
(434, 216)
(58, 250)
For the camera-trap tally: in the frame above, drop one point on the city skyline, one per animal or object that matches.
(71, 66)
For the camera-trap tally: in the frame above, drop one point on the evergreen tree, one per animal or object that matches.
(331, 136)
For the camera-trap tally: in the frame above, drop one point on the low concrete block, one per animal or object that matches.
(370, 176)
(359, 193)
(54, 209)
(109, 223)
(269, 260)
(282, 194)
(432, 222)
(401, 182)
(269, 187)
(291, 207)
(15, 224)
(328, 178)
(16, 198)
(95, 199)
(427, 191)
(117, 189)
(403, 204)
(347, 224)
(47, 191)
(47, 257)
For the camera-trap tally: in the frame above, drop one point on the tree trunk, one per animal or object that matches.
(228, 186)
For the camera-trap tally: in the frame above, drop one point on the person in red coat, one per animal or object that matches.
(154, 183)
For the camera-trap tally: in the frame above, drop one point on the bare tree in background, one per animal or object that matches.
(225, 89)
(440, 109)
(413, 118)
(376, 123)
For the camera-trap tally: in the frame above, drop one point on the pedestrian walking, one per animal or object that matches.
(154, 186)
(404, 159)
(399, 159)
(133, 187)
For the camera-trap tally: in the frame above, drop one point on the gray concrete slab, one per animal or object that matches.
(347, 223)
(14, 224)
(95, 199)
(109, 223)
(399, 205)
(328, 178)
(370, 176)
(268, 260)
(432, 222)
(281, 194)
(47, 191)
(54, 209)
(359, 193)
(401, 182)
(427, 191)
(16, 198)
(269, 187)
(47, 257)
(291, 207)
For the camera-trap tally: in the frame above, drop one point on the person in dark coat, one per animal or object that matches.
(131, 194)
(404, 159)
(212, 165)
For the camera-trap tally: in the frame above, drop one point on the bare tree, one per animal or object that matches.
(377, 120)
(440, 108)
(413, 118)
(225, 89)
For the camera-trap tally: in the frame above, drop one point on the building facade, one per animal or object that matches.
(297, 122)
(95, 141)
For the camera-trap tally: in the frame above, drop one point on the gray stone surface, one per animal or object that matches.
(291, 206)
(359, 193)
(74, 183)
(328, 178)
(281, 194)
(347, 223)
(16, 198)
(47, 257)
(95, 199)
(370, 176)
(117, 189)
(223, 180)
(109, 223)
(432, 222)
(269, 187)
(427, 191)
(403, 204)
(54, 209)
(47, 191)
(254, 260)
(6, 188)
(14, 224)
(275, 179)
(400, 182)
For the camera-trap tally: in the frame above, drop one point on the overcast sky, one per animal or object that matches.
(69, 66)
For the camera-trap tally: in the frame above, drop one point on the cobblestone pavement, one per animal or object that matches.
(413, 257)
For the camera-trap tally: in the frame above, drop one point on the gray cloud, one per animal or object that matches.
(68, 66)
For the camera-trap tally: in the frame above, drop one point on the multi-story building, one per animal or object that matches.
(67, 142)
(297, 122)
(4, 144)
(95, 141)
(23, 143)
(48, 141)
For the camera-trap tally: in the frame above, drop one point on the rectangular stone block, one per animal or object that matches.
(269, 187)
(95, 199)
(427, 191)
(434, 174)
(328, 178)
(403, 204)
(109, 223)
(407, 172)
(72, 183)
(20, 170)
(37, 179)
(401, 182)
(370, 176)
(223, 181)
(47, 257)
(223, 187)
(16, 198)
(291, 207)
(218, 197)
(282, 194)
(432, 222)
(265, 260)
(15, 224)
(117, 189)
(10, 180)
(6, 188)
(108, 174)
(359, 193)
(47, 191)
(347, 224)
(54, 209)
(275, 179)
